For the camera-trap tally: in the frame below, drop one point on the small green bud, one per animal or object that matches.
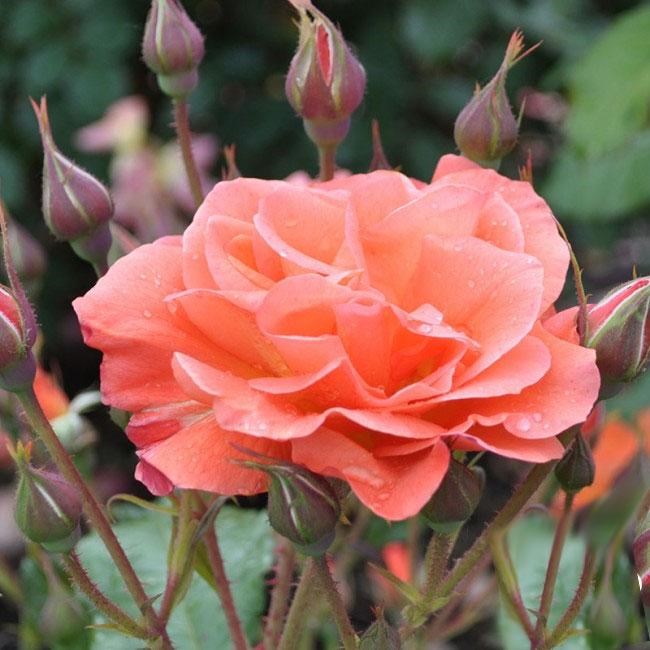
(380, 635)
(48, 508)
(576, 468)
(455, 500)
(606, 620)
(62, 618)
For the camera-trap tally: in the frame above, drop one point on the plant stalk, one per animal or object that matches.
(286, 561)
(182, 126)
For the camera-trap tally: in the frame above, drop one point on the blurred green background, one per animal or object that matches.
(589, 133)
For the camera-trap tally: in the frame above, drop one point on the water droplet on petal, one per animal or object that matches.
(546, 426)
(147, 314)
(471, 284)
(537, 417)
(143, 276)
(425, 328)
(458, 247)
(523, 424)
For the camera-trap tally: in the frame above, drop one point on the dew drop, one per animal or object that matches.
(471, 284)
(291, 223)
(147, 314)
(458, 247)
(365, 476)
(425, 328)
(143, 276)
(157, 280)
(537, 417)
(173, 307)
(504, 222)
(283, 253)
(523, 424)
(546, 426)
(494, 222)
(383, 496)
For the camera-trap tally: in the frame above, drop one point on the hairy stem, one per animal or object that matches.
(92, 509)
(110, 610)
(286, 561)
(223, 588)
(552, 569)
(182, 126)
(436, 560)
(306, 595)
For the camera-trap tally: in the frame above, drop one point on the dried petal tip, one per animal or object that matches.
(75, 203)
(618, 328)
(48, 508)
(325, 83)
(17, 326)
(486, 129)
(172, 47)
(455, 500)
(576, 469)
(302, 506)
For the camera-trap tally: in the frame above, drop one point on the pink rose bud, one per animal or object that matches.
(486, 129)
(76, 206)
(325, 83)
(48, 508)
(172, 47)
(618, 328)
(17, 326)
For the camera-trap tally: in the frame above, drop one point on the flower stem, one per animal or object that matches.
(436, 560)
(280, 595)
(223, 589)
(552, 569)
(576, 603)
(304, 596)
(333, 597)
(508, 583)
(113, 613)
(326, 161)
(92, 509)
(182, 126)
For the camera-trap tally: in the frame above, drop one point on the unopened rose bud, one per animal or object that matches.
(618, 328)
(486, 129)
(62, 618)
(172, 47)
(325, 83)
(302, 506)
(606, 620)
(576, 469)
(76, 206)
(380, 635)
(48, 508)
(455, 500)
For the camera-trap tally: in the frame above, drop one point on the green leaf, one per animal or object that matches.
(610, 86)
(198, 621)
(530, 541)
(602, 187)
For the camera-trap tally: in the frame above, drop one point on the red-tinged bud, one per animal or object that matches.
(618, 328)
(17, 326)
(48, 508)
(455, 500)
(641, 551)
(576, 469)
(75, 203)
(172, 47)
(486, 129)
(302, 506)
(325, 83)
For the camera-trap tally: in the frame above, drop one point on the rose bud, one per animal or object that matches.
(76, 206)
(618, 328)
(576, 469)
(380, 635)
(486, 129)
(302, 506)
(641, 552)
(325, 83)
(172, 47)
(48, 508)
(455, 500)
(606, 620)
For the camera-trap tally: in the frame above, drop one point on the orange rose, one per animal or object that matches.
(362, 328)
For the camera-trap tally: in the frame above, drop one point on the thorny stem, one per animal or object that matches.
(337, 608)
(509, 584)
(93, 511)
(326, 161)
(182, 126)
(436, 560)
(286, 561)
(304, 596)
(110, 610)
(223, 589)
(552, 569)
(584, 585)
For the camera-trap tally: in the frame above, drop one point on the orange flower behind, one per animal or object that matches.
(361, 328)
(616, 446)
